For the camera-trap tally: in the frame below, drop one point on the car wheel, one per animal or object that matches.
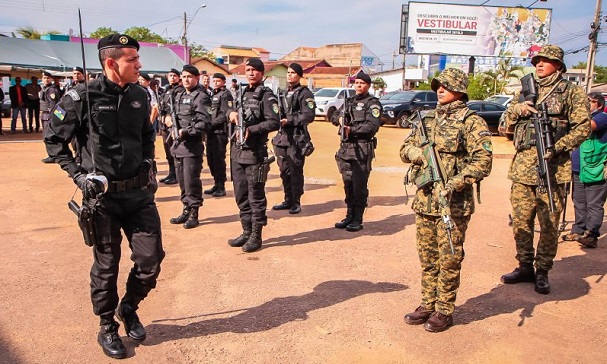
(330, 113)
(403, 120)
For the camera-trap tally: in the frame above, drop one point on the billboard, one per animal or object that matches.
(473, 30)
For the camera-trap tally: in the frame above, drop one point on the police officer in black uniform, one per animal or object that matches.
(249, 157)
(192, 108)
(357, 149)
(49, 96)
(292, 141)
(174, 88)
(77, 78)
(222, 104)
(116, 176)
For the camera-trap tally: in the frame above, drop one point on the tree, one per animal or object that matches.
(102, 32)
(143, 34)
(198, 51)
(379, 83)
(479, 86)
(600, 72)
(31, 33)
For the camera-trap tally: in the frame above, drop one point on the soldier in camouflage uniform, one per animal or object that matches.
(463, 144)
(567, 108)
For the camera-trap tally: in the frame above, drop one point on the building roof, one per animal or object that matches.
(268, 65)
(334, 70)
(62, 56)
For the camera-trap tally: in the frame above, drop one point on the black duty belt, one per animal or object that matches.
(124, 185)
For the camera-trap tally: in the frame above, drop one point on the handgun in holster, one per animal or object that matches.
(85, 222)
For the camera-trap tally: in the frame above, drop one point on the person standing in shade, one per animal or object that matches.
(357, 148)
(18, 96)
(174, 88)
(117, 178)
(589, 186)
(293, 138)
(49, 96)
(192, 108)
(567, 108)
(249, 157)
(77, 78)
(33, 104)
(462, 142)
(222, 104)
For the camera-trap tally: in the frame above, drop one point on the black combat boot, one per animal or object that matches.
(357, 220)
(220, 191)
(542, 286)
(285, 205)
(242, 239)
(524, 273)
(133, 327)
(110, 341)
(183, 217)
(254, 242)
(171, 179)
(211, 190)
(295, 207)
(192, 220)
(348, 219)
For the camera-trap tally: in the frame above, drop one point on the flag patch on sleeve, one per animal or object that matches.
(59, 113)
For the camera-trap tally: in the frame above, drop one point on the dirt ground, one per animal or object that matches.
(313, 294)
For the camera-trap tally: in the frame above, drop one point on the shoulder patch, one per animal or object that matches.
(53, 96)
(310, 103)
(488, 147)
(73, 94)
(484, 133)
(59, 112)
(275, 108)
(375, 110)
(229, 103)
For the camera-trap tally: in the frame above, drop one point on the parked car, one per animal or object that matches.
(6, 106)
(399, 106)
(501, 129)
(500, 99)
(490, 111)
(330, 99)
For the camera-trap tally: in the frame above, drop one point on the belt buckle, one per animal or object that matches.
(120, 186)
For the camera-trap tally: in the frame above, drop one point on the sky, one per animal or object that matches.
(281, 26)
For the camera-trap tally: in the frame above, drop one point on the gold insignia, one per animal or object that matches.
(123, 40)
(229, 103)
(375, 113)
(311, 104)
(53, 96)
(275, 108)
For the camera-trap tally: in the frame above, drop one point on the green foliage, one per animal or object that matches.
(198, 51)
(143, 34)
(423, 86)
(479, 87)
(102, 32)
(600, 72)
(379, 83)
(31, 33)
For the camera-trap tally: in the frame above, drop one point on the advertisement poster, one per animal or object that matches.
(473, 30)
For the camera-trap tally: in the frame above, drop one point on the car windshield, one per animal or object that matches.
(327, 92)
(403, 96)
(388, 96)
(498, 99)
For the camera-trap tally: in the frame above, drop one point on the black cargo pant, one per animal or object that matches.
(188, 175)
(250, 195)
(167, 141)
(355, 170)
(33, 112)
(216, 156)
(291, 163)
(135, 213)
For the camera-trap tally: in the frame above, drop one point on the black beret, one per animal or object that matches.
(191, 69)
(256, 63)
(117, 41)
(173, 70)
(47, 74)
(234, 80)
(79, 69)
(145, 76)
(297, 68)
(363, 76)
(219, 75)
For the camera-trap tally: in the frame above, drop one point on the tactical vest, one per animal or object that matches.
(252, 107)
(46, 104)
(357, 109)
(185, 107)
(524, 131)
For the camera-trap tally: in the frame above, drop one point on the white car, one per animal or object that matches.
(500, 99)
(328, 100)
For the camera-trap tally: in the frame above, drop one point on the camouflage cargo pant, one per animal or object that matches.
(440, 268)
(527, 202)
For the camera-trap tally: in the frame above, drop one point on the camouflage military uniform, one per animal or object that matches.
(464, 145)
(567, 108)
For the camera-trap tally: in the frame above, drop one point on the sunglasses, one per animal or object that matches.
(592, 101)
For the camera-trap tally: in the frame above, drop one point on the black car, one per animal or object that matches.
(490, 111)
(399, 106)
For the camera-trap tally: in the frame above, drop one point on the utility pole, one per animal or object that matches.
(186, 54)
(595, 28)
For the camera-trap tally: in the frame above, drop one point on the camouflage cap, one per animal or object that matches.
(452, 79)
(552, 52)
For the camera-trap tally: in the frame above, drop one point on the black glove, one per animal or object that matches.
(90, 187)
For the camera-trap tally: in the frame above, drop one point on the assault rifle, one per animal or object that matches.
(434, 174)
(544, 137)
(344, 120)
(283, 106)
(174, 125)
(240, 128)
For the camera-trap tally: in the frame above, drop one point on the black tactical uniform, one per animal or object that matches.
(222, 105)
(249, 172)
(122, 138)
(167, 140)
(355, 154)
(290, 143)
(193, 118)
(49, 96)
